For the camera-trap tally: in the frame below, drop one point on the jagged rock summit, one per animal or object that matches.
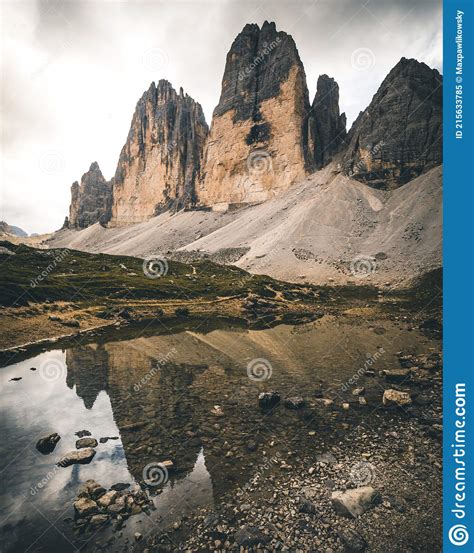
(399, 135)
(90, 200)
(265, 138)
(328, 125)
(160, 160)
(258, 143)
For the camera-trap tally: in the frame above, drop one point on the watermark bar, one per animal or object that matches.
(458, 102)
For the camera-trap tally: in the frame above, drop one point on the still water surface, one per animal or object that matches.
(158, 394)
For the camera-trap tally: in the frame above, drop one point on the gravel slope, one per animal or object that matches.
(326, 228)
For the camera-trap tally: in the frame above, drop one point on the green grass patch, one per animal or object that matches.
(33, 275)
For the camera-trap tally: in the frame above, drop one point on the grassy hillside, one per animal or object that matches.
(32, 275)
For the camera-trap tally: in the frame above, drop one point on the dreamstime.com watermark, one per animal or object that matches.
(267, 49)
(371, 359)
(155, 266)
(53, 369)
(58, 258)
(265, 466)
(160, 361)
(44, 481)
(366, 157)
(155, 474)
(259, 369)
(458, 534)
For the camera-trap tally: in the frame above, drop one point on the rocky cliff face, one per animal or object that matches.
(91, 200)
(265, 136)
(400, 134)
(259, 138)
(160, 161)
(328, 125)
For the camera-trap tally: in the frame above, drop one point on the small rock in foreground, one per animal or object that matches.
(353, 542)
(85, 507)
(269, 399)
(397, 375)
(249, 536)
(105, 439)
(46, 444)
(353, 503)
(86, 442)
(81, 457)
(294, 402)
(394, 397)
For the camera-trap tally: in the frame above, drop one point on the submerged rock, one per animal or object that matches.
(251, 445)
(82, 433)
(99, 520)
(105, 439)
(249, 536)
(326, 458)
(217, 411)
(326, 402)
(307, 507)
(46, 444)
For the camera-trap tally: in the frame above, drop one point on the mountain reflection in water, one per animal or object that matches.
(159, 394)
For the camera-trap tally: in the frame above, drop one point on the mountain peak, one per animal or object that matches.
(257, 63)
(399, 135)
(160, 161)
(329, 126)
(90, 200)
(263, 112)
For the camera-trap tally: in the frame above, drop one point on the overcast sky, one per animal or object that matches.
(73, 71)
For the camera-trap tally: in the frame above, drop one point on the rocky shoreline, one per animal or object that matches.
(372, 484)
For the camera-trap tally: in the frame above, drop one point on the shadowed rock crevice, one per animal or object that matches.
(328, 125)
